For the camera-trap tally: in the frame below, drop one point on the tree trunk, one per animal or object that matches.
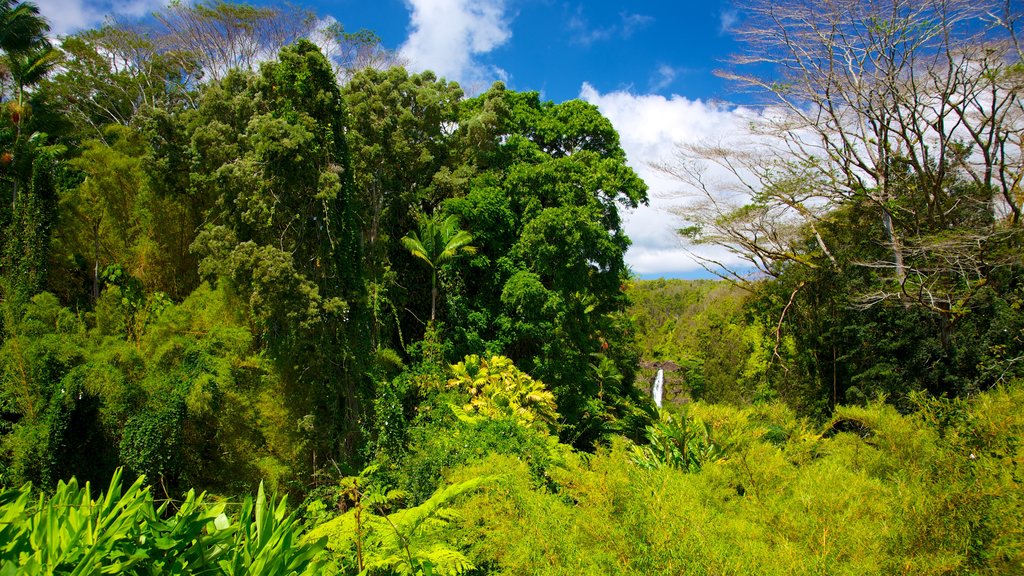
(897, 247)
(433, 297)
(96, 262)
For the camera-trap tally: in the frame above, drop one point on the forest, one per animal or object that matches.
(271, 303)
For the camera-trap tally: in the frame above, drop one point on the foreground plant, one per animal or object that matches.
(370, 538)
(124, 531)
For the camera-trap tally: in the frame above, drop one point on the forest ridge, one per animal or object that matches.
(243, 254)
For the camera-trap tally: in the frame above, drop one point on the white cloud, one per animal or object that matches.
(633, 22)
(650, 126)
(447, 36)
(727, 20)
(68, 16)
(665, 75)
(585, 34)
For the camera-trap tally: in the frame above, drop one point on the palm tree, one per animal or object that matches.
(30, 66)
(21, 26)
(29, 54)
(27, 58)
(437, 243)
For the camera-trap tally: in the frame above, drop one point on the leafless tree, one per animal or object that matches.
(222, 36)
(110, 73)
(892, 103)
(350, 52)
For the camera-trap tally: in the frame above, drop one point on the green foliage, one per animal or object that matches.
(834, 347)
(544, 288)
(237, 270)
(33, 216)
(406, 161)
(373, 541)
(876, 492)
(270, 150)
(268, 541)
(497, 389)
(435, 243)
(190, 399)
(124, 531)
(442, 439)
(682, 443)
(700, 332)
(117, 216)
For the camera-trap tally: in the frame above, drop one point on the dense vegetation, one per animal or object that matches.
(234, 259)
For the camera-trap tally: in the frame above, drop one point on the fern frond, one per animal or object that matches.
(447, 561)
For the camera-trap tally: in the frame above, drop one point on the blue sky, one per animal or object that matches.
(647, 65)
(555, 46)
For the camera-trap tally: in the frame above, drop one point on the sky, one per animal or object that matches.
(647, 65)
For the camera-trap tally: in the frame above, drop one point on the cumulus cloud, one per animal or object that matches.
(448, 36)
(68, 16)
(650, 126)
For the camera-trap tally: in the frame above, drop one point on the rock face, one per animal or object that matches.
(666, 365)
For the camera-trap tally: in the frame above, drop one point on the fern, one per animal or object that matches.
(398, 542)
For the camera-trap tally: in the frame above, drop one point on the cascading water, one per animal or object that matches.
(659, 387)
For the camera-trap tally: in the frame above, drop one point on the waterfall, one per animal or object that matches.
(659, 387)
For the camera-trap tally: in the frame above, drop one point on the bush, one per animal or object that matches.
(872, 492)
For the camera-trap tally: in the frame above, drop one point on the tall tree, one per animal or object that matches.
(28, 164)
(21, 26)
(545, 287)
(111, 74)
(435, 243)
(890, 103)
(890, 124)
(404, 153)
(223, 36)
(271, 151)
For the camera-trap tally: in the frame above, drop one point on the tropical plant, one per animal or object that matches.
(436, 242)
(124, 531)
(401, 542)
(28, 67)
(21, 26)
(681, 443)
(267, 542)
(498, 389)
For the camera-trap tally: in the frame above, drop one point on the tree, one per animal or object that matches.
(405, 155)
(888, 123)
(28, 54)
(270, 152)
(27, 162)
(28, 68)
(353, 52)
(27, 58)
(27, 247)
(21, 26)
(890, 103)
(436, 243)
(546, 285)
(223, 36)
(111, 74)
